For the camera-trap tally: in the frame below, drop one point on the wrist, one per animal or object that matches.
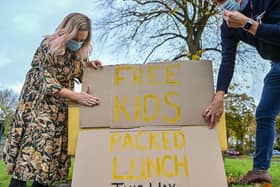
(219, 95)
(250, 25)
(247, 24)
(68, 94)
(74, 97)
(254, 28)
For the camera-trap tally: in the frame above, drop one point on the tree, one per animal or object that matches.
(160, 30)
(239, 109)
(8, 103)
(175, 26)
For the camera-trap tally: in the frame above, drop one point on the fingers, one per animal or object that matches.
(95, 64)
(213, 122)
(211, 117)
(226, 14)
(207, 114)
(98, 63)
(92, 101)
(88, 90)
(87, 99)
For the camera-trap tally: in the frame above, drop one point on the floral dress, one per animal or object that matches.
(36, 144)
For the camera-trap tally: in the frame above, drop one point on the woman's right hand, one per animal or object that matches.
(84, 98)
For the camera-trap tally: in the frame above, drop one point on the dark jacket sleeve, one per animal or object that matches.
(269, 33)
(229, 45)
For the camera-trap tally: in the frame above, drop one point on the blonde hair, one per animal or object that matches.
(66, 31)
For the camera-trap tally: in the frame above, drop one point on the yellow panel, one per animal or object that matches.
(73, 130)
(221, 127)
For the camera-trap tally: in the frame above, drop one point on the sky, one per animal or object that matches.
(24, 23)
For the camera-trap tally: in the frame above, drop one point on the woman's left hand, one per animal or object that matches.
(95, 64)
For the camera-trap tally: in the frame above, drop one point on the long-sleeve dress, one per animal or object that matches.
(37, 142)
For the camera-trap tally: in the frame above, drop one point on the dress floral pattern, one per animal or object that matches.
(36, 144)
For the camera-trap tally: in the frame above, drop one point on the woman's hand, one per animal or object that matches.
(214, 111)
(95, 64)
(84, 98)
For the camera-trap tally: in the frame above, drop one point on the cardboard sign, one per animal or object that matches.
(159, 94)
(74, 129)
(145, 157)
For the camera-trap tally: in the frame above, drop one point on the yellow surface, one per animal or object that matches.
(221, 127)
(73, 130)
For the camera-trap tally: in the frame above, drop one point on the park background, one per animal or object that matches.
(136, 32)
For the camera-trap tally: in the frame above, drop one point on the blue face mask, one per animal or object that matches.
(74, 45)
(231, 5)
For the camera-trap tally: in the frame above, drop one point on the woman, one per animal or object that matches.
(36, 146)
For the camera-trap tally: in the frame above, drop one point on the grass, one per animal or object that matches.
(235, 167)
(5, 179)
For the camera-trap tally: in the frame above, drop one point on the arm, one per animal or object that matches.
(52, 86)
(215, 110)
(83, 98)
(267, 32)
(229, 46)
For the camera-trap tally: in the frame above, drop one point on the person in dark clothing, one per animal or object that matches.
(255, 22)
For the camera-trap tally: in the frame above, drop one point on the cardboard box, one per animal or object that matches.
(159, 94)
(164, 141)
(74, 129)
(149, 157)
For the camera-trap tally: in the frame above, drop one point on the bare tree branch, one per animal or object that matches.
(158, 45)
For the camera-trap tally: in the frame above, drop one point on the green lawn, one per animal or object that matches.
(5, 179)
(235, 167)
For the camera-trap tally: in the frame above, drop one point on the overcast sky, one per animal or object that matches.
(23, 23)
